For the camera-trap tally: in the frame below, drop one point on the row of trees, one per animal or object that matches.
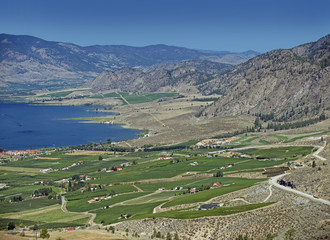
(284, 126)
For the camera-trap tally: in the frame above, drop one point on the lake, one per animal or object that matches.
(29, 126)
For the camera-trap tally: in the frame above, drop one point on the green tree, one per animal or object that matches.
(168, 236)
(11, 226)
(218, 174)
(271, 236)
(100, 158)
(313, 164)
(35, 227)
(289, 235)
(176, 236)
(109, 141)
(44, 233)
(257, 123)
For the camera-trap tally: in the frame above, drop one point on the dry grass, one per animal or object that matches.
(89, 153)
(85, 235)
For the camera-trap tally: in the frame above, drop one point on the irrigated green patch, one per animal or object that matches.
(107, 95)
(218, 211)
(234, 184)
(82, 205)
(59, 94)
(112, 215)
(26, 205)
(278, 153)
(279, 137)
(56, 215)
(306, 136)
(146, 97)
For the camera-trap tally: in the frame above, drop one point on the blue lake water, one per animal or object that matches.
(29, 126)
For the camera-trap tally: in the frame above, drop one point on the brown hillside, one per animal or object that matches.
(294, 83)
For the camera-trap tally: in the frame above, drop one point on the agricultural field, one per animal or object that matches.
(128, 98)
(123, 186)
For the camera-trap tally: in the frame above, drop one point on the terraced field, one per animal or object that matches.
(138, 183)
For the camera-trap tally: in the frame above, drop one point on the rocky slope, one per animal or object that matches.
(292, 83)
(175, 77)
(31, 59)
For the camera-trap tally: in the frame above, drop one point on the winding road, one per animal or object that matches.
(65, 210)
(273, 182)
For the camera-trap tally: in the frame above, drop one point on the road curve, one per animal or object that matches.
(273, 181)
(316, 154)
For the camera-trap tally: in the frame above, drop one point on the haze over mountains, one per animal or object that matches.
(31, 59)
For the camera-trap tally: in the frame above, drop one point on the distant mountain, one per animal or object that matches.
(30, 59)
(174, 77)
(292, 84)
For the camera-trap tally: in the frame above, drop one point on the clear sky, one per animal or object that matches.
(233, 25)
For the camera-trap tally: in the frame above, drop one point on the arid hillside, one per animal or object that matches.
(293, 83)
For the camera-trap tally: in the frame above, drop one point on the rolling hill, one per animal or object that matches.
(27, 59)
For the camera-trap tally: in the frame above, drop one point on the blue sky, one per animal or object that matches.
(233, 25)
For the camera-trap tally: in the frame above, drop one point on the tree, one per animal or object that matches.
(100, 158)
(218, 174)
(271, 236)
(44, 233)
(313, 164)
(109, 141)
(176, 236)
(11, 226)
(289, 235)
(168, 236)
(257, 123)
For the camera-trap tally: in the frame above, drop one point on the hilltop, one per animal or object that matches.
(28, 59)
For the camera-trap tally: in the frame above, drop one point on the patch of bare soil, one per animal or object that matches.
(90, 153)
(252, 175)
(175, 121)
(85, 235)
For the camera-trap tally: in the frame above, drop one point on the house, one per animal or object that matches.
(119, 169)
(209, 206)
(193, 190)
(217, 184)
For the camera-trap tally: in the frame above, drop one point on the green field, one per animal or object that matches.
(135, 98)
(219, 211)
(59, 94)
(134, 189)
(235, 184)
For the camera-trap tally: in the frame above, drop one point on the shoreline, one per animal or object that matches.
(87, 119)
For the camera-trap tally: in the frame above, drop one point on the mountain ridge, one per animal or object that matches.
(26, 58)
(290, 83)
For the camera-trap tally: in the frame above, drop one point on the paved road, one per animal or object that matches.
(317, 152)
(273, 181)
